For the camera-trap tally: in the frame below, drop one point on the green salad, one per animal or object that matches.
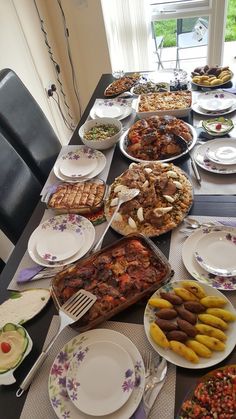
(101, 132)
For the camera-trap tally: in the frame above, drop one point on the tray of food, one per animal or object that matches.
(119, 275)
(213, 397)
(176, 103)
(190, 325)
(211, 76)
(165, 198)
(154, 138)
(150, 87)
(77, 198)
(121, 85)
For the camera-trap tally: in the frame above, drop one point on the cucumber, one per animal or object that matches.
(21, 331)
(8, 327)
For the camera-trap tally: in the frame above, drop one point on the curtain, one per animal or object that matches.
(128, 29)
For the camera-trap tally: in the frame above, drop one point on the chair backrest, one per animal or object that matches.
(27, 127)
(19, 191)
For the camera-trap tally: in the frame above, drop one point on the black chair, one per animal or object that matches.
(19, 191)
(28, 129)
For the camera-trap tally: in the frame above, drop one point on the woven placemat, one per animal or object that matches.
(37, 404)
(175, 255)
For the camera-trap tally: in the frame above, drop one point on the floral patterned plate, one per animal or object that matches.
(216, 101)
(202, 152)
(93, 395)
(119, 108)
(82, 152)
(197, 271)
(58, 395)
(77, 168)
(222, 152)
(216, 252)
(61, 224)
(174, 358)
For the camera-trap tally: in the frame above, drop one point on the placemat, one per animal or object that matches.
(175, 255)
(37, 404)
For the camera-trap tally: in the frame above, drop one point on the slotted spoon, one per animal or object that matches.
(71, 311)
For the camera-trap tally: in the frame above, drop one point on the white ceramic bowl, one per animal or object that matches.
(101, 144)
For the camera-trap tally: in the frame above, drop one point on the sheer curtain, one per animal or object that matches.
(128, 29)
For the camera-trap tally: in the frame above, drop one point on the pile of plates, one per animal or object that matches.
(209, 255)
(217, 156)
(61, 240)
(111, 108)
(215, 103)
(82, 164)
(101, 373)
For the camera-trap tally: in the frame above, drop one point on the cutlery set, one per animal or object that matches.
(155, 374)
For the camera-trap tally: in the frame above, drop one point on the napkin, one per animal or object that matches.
(140, 412)
(228, 223)
(28, 274)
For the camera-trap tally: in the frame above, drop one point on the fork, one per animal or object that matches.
(154, 384)
(147, 359)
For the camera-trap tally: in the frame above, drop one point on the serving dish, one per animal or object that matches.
(165, 198)
(100, 139)
(199, 402)
(121, 85)
(203, 362)
(218, 126)
(149, 87)
(119, 275)
(211, 76)
(23, 306)
(15, 345)
(153, 139)
(58, 396)
(177, 103)
(77, 198)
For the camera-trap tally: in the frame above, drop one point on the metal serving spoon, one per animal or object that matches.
(185, 146)
(194, 224)
(124, 196)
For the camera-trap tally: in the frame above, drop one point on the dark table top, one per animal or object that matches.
(215, 205)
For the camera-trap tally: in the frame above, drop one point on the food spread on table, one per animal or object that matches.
(164, 200)
(211, 76)
(213, 397)
(154, 138)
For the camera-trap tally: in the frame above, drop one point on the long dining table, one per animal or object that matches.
(204, 205)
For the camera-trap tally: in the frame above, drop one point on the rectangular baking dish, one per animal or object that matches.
(182, 112)
(69, 281)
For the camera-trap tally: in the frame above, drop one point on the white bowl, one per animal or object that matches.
(101, 144)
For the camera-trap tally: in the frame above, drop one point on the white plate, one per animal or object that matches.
(199, 273)
(55, 244)
(225, 154)
(108, 106)
(216, 101)
(169, 355)
(58, 396)
(97, 383)
(124, 142)
(216, 252)
(196, 108)
(201, 156)
(82, 150)
(76, 168)
(82, 227)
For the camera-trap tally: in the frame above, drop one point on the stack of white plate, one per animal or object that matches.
(101, 374)
(82, 164)
(61, 240)
(111, 108)
(217, 156)
(215, 103)
(209, 255)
